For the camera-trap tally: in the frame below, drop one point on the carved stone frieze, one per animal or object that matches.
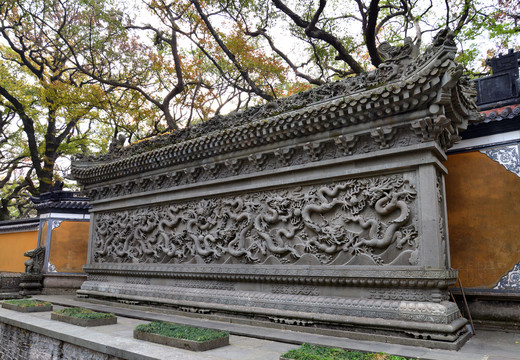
(443, 312)
(429, 312)
(344, 145)
(213, 169)
(365, 221)
(314, 150)
(284, 156)
(295, 290)
(408, 295)
(279, 274)
(258, 161)
(383, 136)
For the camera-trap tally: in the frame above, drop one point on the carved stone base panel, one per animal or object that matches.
(419, 316)
(376, 288)
(321, 275)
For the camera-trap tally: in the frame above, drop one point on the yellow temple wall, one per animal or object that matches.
(483, 200)
(69, 245)
(13, 246)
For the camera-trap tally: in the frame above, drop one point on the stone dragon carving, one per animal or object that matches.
(35, 263)
(368, 220)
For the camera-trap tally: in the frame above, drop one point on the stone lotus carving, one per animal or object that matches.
(358, 221)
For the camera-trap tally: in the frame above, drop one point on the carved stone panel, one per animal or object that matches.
(508, 156)
(368, 221)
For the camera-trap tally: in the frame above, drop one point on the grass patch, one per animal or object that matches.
(314, 352)
(82, 313)
(178, 331)
(27, 303)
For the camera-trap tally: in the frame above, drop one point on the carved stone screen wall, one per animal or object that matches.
(324, 209)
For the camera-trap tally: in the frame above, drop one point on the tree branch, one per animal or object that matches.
(243, 72)
(28, 126)
(370, 36)
(316, 33)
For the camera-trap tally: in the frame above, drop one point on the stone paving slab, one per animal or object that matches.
(253, 342)
(117, 340)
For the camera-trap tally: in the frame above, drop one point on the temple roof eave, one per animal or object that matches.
(434, 83)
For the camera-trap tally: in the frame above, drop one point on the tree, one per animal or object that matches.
(45, 105)
(179, 63)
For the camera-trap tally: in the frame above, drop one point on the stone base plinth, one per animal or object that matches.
(491, 308)
(31, 284)
(9, 282)
(360, 304)
(61, 284)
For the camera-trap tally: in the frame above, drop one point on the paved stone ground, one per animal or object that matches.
(261, 344)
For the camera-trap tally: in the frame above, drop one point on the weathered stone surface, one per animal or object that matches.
(31, 284)
(16, 343)
(325, 208)
(9, 281)
(9, 285)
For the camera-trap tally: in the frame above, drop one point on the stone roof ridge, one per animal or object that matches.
(401, 63)
(19, 225)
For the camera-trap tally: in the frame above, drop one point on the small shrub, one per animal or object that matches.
(314, 352)
(27, 303)
(82, 313)
(181, 331)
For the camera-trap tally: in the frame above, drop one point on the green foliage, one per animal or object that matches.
(27, 303)
(178, 331)
(82, 313)
(314, 352)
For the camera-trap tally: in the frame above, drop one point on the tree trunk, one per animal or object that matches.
(4, 211)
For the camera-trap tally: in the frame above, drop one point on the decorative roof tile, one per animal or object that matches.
(61, 201)
(502, 113)
(19, 225)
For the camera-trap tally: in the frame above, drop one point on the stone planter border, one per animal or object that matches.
(83, 322)
(26, 309)
(181, 343)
